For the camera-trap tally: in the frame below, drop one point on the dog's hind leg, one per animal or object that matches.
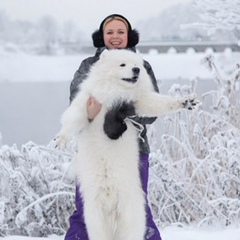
(97, 224)
(131, 220)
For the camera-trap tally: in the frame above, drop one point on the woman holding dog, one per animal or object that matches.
(115, 32)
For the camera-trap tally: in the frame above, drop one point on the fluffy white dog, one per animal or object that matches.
(107, 164)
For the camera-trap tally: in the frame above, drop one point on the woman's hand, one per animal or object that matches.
(93, 108)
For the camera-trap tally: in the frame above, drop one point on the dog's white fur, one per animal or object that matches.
(108, 170)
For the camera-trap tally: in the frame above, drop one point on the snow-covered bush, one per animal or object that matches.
(195, 172)
(36, 195)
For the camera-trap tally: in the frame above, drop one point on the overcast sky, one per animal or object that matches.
(87, 13)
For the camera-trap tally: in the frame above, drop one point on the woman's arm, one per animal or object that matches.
(93, 107)
(78, 78)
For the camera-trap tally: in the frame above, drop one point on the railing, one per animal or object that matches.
(178, 47)
(182, 47)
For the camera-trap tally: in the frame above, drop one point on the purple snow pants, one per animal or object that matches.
(77, 228)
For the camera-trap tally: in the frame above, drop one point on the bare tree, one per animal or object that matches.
(49, 34)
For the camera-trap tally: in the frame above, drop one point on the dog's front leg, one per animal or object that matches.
(73, 120)
(152, 104)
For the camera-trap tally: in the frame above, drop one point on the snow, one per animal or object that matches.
(61, 68)
(169, 233)
(22, 67)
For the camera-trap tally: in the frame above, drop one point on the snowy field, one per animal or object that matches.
(169, 233)
(20, 67)
(35, 89)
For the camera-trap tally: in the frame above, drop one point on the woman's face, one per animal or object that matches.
(115, 34)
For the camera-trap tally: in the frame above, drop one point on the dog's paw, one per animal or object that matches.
(60, 141)
(190, 102)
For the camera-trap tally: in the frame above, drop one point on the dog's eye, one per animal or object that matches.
(122, 65)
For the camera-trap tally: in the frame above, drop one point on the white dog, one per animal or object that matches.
(107, 165)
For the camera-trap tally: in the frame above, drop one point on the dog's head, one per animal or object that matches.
(124, 67)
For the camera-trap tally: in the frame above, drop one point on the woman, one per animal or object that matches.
(115, 31)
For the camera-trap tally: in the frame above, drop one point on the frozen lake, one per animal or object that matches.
(30, 111)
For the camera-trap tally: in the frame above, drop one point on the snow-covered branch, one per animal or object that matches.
(218, 15)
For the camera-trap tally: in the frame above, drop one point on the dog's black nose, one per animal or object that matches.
(136, 70)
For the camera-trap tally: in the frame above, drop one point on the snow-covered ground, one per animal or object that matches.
(21, 67)
(169, 233)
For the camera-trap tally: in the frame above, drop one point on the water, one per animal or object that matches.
(31, 111)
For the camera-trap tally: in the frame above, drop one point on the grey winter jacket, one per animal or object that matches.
(81, 74)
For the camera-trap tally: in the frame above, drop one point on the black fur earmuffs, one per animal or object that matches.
(133, 35)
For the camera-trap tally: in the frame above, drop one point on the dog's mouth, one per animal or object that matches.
(134, 79)
(131, 80)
